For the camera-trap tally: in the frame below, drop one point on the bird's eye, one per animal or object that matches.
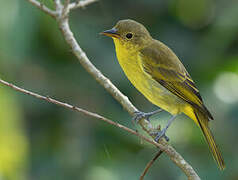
(129, 35)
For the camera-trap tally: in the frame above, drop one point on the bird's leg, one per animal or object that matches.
(142, 115)
(161, 133)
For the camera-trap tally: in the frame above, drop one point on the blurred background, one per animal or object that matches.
(42, 141)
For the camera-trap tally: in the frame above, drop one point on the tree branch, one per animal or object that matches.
(150, 163)
(61, 15)
(42, 7)
(80, 110)
(81, 4)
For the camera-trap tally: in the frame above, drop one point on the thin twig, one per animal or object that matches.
(81, 4)
(42, 7)
(150, 163)
(75, 108)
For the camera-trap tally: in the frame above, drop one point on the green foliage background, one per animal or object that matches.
(41, 141)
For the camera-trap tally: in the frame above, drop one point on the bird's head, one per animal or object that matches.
(129, 34)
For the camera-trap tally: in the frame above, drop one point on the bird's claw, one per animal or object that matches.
(161, 134)
(141, 115)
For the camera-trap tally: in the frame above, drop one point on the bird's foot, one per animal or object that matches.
(142, 115)
(161, 133)
(158, 135)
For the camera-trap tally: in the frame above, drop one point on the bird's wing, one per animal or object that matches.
(162, 65)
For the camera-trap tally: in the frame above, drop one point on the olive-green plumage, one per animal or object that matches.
(158, 74)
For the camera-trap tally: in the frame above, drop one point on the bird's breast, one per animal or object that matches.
(151, 89)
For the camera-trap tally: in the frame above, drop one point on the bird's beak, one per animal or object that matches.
(111, 33)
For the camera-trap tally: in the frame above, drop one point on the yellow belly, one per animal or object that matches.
(150, 88)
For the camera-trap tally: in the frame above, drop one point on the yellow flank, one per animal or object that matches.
(159, 75)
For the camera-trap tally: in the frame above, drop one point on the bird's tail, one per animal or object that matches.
(202, 121)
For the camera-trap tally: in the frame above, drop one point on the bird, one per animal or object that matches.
(155, 71)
